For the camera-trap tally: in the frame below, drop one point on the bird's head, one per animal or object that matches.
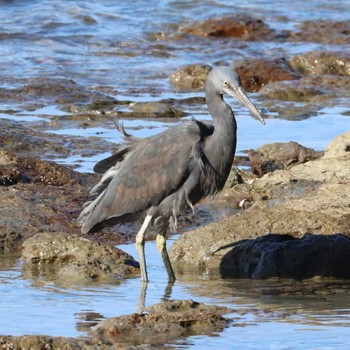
(226, 81)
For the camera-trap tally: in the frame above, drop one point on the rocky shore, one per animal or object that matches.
(292, 209)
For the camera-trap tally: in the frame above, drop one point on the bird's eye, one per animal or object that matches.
(226, 83)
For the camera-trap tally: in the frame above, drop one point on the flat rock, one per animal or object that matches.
(76, 260)
(162, 323)
(287, 257)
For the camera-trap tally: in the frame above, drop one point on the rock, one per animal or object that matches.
(14, 169)
(26, 142)
(10, 241)
(279, 155)
(76, 259)
(339, 147)
(162, 323)
(311, 197)
(257, 73)
(323, 31)
(44, 342)
(297, 90)
(190, 78)
(321, 170)
(239, 26)
(284, 256)
(205, 247)
(322, 63)
(153, 110)
(50, 91)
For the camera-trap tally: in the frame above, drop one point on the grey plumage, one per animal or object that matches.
(166, 174)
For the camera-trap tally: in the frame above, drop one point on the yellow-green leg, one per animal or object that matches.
(161, 245)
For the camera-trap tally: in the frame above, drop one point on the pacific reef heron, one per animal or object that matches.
(159, 177)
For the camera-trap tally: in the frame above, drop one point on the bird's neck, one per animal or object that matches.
(221, 147)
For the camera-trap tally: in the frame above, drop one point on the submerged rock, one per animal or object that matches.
(75, 260)
(284, 256)
(162, 323)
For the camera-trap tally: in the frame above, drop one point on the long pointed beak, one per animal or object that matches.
(241, 96)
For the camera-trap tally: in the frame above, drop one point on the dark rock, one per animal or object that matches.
(162, 323)
(279, 155)
(284, 256)
(192, 77)
(255, 74)
(240, 26)
(75, 260)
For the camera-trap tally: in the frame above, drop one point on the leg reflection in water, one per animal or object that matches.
(143, 295)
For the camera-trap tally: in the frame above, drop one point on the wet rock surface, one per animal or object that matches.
(70, 259)
(163, 322)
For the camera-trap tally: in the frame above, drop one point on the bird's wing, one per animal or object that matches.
(155, 168)
(103, 165)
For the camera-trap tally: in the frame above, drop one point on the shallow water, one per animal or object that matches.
(112, 45)
(267, 315)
